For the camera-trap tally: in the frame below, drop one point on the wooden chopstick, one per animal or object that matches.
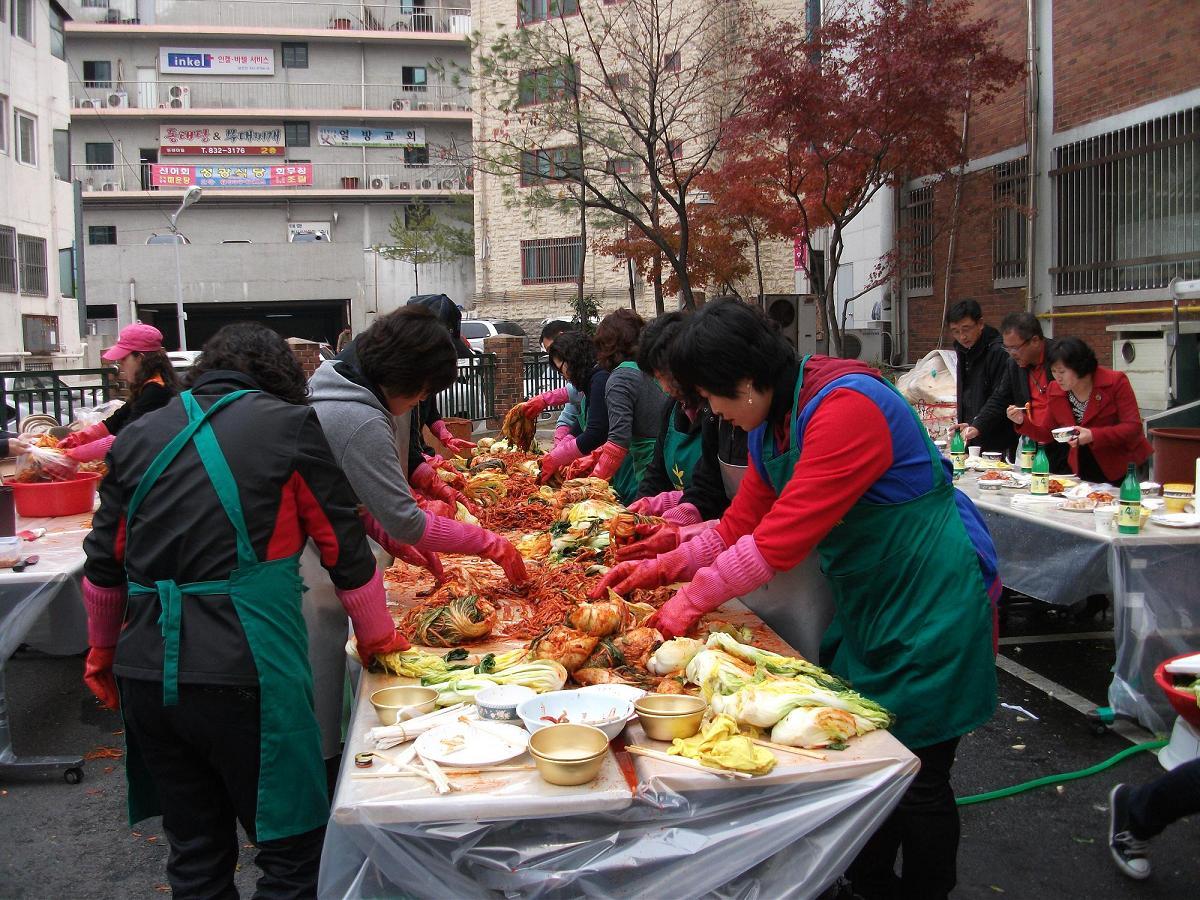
(799, 751)
(685, 762)
(417, 773)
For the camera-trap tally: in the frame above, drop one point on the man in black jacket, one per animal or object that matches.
(982, 361)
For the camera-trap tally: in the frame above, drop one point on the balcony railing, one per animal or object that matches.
(325, 176)
(427, 18)
(205, 94)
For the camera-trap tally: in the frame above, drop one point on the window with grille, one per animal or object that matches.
(549, 260)
(1129, 207)
(296, 134)
(8, 260)
(550, 164)
(102, 234)
(1010, 193)
(414, 78)
(295, 56)
(97, 73)
(31, 257)
(918, 217)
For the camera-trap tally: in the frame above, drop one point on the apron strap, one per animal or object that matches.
(757, 438)
(170, 598)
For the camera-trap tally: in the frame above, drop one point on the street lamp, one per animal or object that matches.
(190, 196)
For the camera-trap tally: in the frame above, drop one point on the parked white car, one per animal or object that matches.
(475, 331)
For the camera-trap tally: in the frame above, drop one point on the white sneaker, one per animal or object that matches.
(1128, 852)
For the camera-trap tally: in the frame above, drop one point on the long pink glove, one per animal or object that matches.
(427, 559)
(91, 452)
(656, 505)
(426, 480)
(450, 536)
(374, 630)
(679, 565)
(443, 434)
(105, 610)
(562, 433)
(84, 436)
(610, 459)
(562, 454)
(737, 571)
(684, 514)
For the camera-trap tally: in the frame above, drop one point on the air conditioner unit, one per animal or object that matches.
(118, 100)
(426, 184)
(446, 184)
(109, 186)
(424, 107)
(872, 345)
(404, 186)
(89, 185)
(179, 96)
(91, 103)
(112, 16)
(379, 184)
(401, 104)
(796, 317)
(447, 107)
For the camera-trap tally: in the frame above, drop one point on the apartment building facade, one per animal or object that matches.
(309, 128)
(39, 317)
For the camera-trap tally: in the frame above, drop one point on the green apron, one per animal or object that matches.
(292, 795)
(628, 477)
(681, 452)
(913, 623)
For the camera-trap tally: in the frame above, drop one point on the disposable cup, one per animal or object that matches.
(975, 452)
(1104, 517)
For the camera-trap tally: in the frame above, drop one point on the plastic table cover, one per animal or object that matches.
(1061, 558)
(657, 830)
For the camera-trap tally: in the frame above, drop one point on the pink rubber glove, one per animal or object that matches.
(91, 452)
(374, 630)
(656, 505)
(450, 536)
(583, 466)
(84, 436)
(652, 539)
(562, 433)
(737, 571)
(684, 514)
(679, 565)
(426, 559)
(610, 458)
(442, 433)
(426, 480)
(562, 454)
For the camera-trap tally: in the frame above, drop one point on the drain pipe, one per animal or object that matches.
(1033, 95)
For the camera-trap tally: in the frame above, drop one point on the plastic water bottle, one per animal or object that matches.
(1129, 516)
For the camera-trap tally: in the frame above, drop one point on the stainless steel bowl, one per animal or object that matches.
(568, 754)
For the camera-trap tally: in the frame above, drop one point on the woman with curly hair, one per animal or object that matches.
(193, 595)
(574, 355)
(634, 403)
(143, 365)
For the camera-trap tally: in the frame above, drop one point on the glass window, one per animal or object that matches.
(548, 260)
(97, 73)
(295, 56)
(672, 62)
(62, 154)
(66, 271)
(3, 115)
(31, 256)
(296, 134)
(99, 154)
(102, 234)
(58, 40)
(413, 78)
(25, 127)
(416, 156)
(41, 334)
(917, 217)
(475, 330)
(22, 19)
(512, 328)
(8, 260)
(1010, 190)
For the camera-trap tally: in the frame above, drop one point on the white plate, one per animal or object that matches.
(477, 744)
(1176, 520)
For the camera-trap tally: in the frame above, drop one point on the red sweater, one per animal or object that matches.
(1112, 414)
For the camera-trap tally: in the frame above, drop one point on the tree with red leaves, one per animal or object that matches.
(878, 93)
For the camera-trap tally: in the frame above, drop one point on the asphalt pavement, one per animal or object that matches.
(73, 841)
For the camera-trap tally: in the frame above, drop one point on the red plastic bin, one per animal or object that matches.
(1184, 701)
(46, 499)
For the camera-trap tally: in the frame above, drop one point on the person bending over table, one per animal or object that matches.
(193, 599)
(1099, 403)
(841, 464)
(569, 397)
(574, 355)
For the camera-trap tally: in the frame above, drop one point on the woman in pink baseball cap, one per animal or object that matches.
(143, 365)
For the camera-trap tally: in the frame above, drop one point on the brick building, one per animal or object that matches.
(1113, 120)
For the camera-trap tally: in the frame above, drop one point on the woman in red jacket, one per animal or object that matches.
(1099, 402)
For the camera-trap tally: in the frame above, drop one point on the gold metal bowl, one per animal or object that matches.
(399, 704)
(568, 754)
(665, 717)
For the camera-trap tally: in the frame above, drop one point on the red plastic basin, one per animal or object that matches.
(55, 498)
(1184, 701)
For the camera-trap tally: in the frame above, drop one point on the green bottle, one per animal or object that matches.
(1039, 480)
(958, 453)
(1129, 516)
(1028, 451)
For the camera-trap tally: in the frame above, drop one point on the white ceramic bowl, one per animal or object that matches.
(609, 714)
(620, 691)
(499, 703)
(1062, 435)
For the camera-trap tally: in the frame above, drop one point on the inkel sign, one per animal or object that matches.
(216, 61)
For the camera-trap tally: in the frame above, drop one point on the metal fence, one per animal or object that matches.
(403, 16)
(53, 393)
(473, 394)
(181, 93)
(325, 176)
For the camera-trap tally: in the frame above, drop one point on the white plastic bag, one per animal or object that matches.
(932, 387)
(43, 464)
(90, 415)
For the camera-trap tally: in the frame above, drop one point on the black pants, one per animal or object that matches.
(203, 757)
(925, 825)
(1166, 799)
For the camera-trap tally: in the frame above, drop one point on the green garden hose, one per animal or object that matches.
(1059, 779)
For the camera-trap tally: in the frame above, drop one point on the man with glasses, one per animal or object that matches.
(1026, 382)
(982, 362)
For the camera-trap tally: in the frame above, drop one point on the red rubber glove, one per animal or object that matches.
(450, 536)
(653, 538)
(84, 436)
(443, 434)
(679, 565)
(656, 505)
(562, 454)
(533, 407)
(583, 466)
(98, 676)
(562, 433)
(608, 459)
(426, 480)
(91, 452)
(426, 559)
